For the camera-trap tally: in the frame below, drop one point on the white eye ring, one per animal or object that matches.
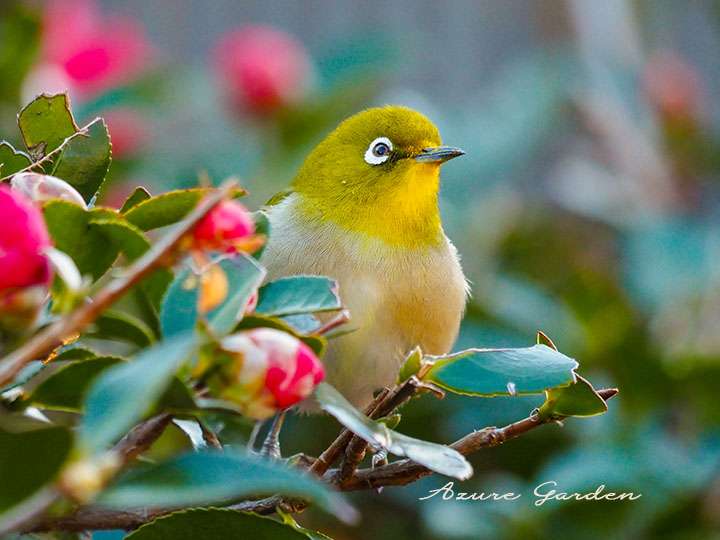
(379, 151)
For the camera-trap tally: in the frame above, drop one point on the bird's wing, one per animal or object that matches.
(278, 197)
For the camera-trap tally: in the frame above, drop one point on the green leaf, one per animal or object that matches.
(30, 457)
(262, 226)
(578, 399)
(317, 343)
(305, 323)
(502, 372)
(179, 309)
(215, 524)
(122, 235)
(289, 520)
(133, 243)
(125, 393)
(26, 373)
(45, 123)
(437, 457)
(74, 352)
(168, 208)
(118, 325)
(214, 478)
(138, 195)
(11, 160)
(66, 388)
(70, 228)
(298, 294)
(178, 397)
(84, 162)
(411, 365)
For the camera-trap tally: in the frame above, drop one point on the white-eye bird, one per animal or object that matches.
(363, 209)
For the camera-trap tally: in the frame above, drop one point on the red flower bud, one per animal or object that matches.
(224, 228)
(262, 69)
(22, 243)
(269, 371)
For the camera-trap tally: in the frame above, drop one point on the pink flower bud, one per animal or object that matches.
(42, 187)
(269, 371)
(262, 69)
(22, 243)
(224, 228)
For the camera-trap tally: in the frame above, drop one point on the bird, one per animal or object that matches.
(363, 210)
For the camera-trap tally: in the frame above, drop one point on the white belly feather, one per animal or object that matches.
(398, 298)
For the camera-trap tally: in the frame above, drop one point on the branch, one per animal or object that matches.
(82, 132)
(141, 437)
(399, 473)
(404, 472)
(54, 335)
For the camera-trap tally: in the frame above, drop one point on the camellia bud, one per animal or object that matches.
(266, 371)
(262, 69)
(42, 187)
(25, 271)
(226, 228)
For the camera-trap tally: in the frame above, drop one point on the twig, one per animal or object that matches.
(158, 256)
(406, 471)
(340, 319)
(82, 132)
(141, 437)
(328, 457)
(398, 473)
(356, 447)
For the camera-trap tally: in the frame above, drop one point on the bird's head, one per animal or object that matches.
(378, 173)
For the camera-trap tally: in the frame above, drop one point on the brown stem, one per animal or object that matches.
(398, 473)
(328, 457)
(406, 471)
(54, 335)
(141, 437)
(340, 319)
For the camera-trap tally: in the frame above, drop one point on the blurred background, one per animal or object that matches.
(587, 206)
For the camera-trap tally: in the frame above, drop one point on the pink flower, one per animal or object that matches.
(95, 53)
(268, 371)
(262, 69)
(23, 241)
(225, 228)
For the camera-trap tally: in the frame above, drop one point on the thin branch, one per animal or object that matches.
(328, 457)
(141, 437)
(160, 255)
(340, 319)
(398, 473)
(82, 132)
(404, 472)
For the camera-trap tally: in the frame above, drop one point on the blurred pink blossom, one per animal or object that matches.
(262, 69)
(94, 53)
(128, 129)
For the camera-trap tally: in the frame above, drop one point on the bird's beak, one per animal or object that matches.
(439, 154)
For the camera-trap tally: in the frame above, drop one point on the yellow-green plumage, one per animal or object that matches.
(375, 227)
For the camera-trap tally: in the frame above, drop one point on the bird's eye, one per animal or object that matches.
(379, 151)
